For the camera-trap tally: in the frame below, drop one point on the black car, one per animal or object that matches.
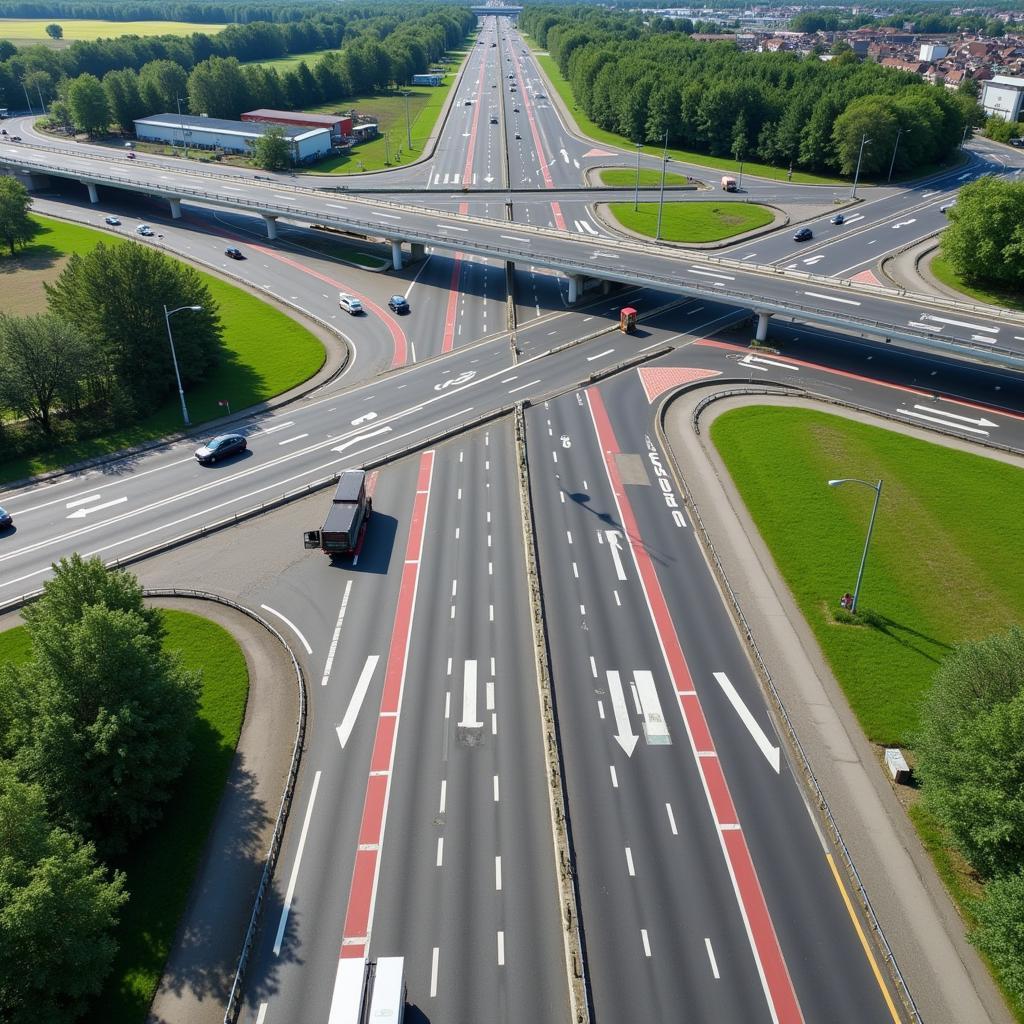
(803, 235)
(838, 219)
(398, 304)
(220, 447)
(234, 253)
(6, 519)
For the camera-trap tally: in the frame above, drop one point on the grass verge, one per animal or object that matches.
(592, 131)
(946, 519)
(991, 295)
(692, 222)
(622, 177)
(162, 865)
(266, 352)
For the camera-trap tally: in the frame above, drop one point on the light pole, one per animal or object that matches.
(184, 141)
(27, 100)
(877, 488)
(963, 138)
(892, 162)
(864, 140)
(740, 183)
(661, 200)
(636, 192)
(408, 123)
(168, 313)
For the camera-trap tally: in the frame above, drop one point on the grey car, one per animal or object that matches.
(220, 447)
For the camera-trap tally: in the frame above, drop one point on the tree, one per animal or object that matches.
(55, 31)
(42, 359)
(985, 238)
(217, 87)
(1000, 930)
(115, 294)
(161, 82)
(16, 226)
(124, 97)
(101, 716)
(271, 150)
(971, 750)
(58, 907)
(870, 118)
(87, 101)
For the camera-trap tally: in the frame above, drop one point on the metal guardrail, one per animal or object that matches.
(865, 901)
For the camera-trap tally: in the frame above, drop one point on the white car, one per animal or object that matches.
(350, 304)
(947, 206)
(144, 229)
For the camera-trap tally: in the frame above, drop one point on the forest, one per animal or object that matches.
(652, 81)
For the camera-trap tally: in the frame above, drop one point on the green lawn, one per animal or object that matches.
(693, 222)
(942, 567)
(24, 31)
(266, 352)
(623, 177)
(162, 865)
(601, 135)
(992, 295)
(293, 60)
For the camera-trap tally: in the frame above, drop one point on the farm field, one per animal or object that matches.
(28, 31)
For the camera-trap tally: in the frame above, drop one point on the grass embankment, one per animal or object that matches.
(28, 31)
(266, 352)
(692, 222)
(623, 177)
(993, 296)
(591, 130)
(162, 865)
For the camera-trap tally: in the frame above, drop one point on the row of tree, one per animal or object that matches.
(918, 20)
(95, 728)
(776, 108)
(970, 751)
(195, 11)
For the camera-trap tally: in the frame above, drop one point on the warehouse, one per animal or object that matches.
(307, 144)
(339, 127)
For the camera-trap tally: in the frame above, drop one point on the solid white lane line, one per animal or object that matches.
(593, 666)
(959, 323)
(497, 873)
(615, 778)
(832, 298)
(771, 753)
(489, 692)
(262, 1015)
(444, 796)
(440, 851)
(568, 535)
(286, 909)
(629, 863)
(646, 942)
(600, 710)
(448, 704)
(501, 949)
(618, 600)
(288, 622)
(454, 585)
(710, 273)
(289, 440)
(575, 571)
(337, 633)
(671, 820)
(433, 972)
(711, 957)
(523, 387)
(494, 724)
(496, 789)
(606, 352)
(356, 700)
(82, 501)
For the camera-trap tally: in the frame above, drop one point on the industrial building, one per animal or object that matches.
(307, 144)
(428, 78)
(1003, 96)
(339, 127)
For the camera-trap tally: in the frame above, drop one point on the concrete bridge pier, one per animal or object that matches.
(396, 253)
(94, 195)
(271, 221)
(175, 208)
(419, 250)
(762, 326)
(575, 287)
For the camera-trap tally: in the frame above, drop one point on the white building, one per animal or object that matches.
(307, 144)
(1003, 97)
(932, 52)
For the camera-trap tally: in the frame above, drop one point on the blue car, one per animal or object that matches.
(6, 519)
(398, 304)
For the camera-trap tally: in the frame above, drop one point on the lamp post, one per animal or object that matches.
(661, 200)
(877, 488)
(892, 162)
(636, 191)
(27, 100)
(184, 141)
(963, 138)
(408, 123)
(168, 313)
(864, 140)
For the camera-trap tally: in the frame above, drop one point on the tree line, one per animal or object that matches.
(777, 108)
(196, 11)
(95, 728)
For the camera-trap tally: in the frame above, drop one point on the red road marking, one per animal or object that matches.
(467, 171)
(556, 211)
(453, 294)
(363, 890)
(775, 979)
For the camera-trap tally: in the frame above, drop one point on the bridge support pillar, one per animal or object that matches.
(271, 222)
(94, 195)
(762, 326)
(175, 208)
(575, 287)
(396, 253)
(419, 250)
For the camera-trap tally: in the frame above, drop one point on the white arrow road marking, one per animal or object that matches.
(904, 223)
(356, 700)
(83, 512)
(755, 730)
(469, 719)
(614, 540)
(982, 422)
(362, 437)
(814, 259)
(655, 727)
(489, 178)
(832, 298)
(83, 501)
(624, 735)
(959, 323)
(750, 360)
(565, 156)
(944, 422)
(365, 418)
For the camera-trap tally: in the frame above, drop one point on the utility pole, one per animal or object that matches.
(408, 123)
(892, 162)
(636, 192)
(864, 140)
(661, 201)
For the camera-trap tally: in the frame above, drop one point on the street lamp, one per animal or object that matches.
(963, 138)
(408, 123)
(168, 313)
(892, 162)
(661, 200)
(636, 192)
(181, 121)
(877, 488)
(864, 140)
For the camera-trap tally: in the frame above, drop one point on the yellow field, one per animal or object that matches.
(33, 30)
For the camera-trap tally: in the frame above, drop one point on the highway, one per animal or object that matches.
(422, 820)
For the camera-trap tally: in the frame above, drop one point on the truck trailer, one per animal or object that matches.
(728, 184)
(346, 520)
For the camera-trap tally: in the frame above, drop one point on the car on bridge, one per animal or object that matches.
(350, 304)
(398, 304)
(220, 447)
(234, 252)
(803, 235)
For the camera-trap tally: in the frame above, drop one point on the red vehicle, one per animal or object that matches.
(627, 320)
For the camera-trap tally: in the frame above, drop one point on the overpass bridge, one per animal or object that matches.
(500, 11)
(942, 325)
